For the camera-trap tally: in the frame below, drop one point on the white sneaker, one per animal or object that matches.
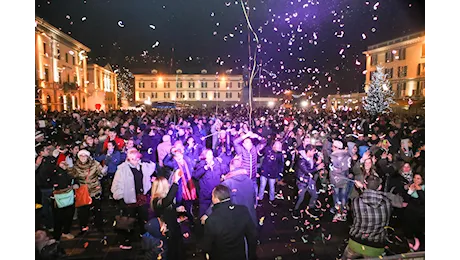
(68, 236)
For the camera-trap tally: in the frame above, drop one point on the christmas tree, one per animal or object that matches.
(379, 95)
(124, 82)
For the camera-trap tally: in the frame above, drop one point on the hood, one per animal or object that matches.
(350, 146)
(373, 198)
(339, 153)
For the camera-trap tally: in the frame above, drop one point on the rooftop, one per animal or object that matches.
(397, 40)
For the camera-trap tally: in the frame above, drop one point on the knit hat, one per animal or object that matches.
(83, 152)
(338, 144)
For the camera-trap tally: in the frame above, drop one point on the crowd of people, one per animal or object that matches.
(211, 168)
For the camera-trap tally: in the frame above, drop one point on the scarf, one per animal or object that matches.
(188, 187)
(408, 176)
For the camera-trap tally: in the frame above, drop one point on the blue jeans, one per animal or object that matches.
(47, 212)
(256, 189)
(340, 195)
(303, 188)
(271, 184)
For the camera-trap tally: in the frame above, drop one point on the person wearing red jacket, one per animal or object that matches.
(113, 137)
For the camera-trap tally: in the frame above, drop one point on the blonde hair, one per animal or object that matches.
(160, 188)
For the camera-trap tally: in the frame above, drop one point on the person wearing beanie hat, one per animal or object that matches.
(340, 169)
(88, 171)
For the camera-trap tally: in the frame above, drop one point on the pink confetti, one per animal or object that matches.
(364, 36)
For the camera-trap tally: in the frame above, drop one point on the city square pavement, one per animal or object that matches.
(280, 236)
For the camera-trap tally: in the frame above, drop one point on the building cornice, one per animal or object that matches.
(396, 43)
(56, 34)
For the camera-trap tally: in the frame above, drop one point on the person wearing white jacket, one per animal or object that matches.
(130, 186)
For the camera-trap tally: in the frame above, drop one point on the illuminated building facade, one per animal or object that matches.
(102, 88)
(353, 101)
(60, 69)
(192, 89)
(404, 61)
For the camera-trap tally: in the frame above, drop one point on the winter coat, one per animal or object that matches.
(304, 169)
(273, 164)
(227, 231)
(371, 214)
(111, 161)
(61, 179)
(149, 146)
(193, 152)
(123, 186)
(242, 190)
(340, 167)
(120, 144)
(45, 171)
(89, 173)
(209, 179)
(249, 158)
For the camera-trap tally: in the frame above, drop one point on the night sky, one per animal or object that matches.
(304, 44)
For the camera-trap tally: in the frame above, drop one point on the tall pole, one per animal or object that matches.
(249, 70)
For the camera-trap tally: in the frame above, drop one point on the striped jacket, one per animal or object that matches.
(249, 158)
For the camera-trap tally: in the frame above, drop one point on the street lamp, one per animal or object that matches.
(271, 104)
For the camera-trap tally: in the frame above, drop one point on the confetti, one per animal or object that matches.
(364, 36)
(85, 245)
(120, 23)
(83, 18)
(152, 26)
(261, 221)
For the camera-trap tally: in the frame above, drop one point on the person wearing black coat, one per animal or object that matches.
(62, 182)
(228, 229)
(305, 182)
(44, 172)
(149, 144)
(272, 170)
(208, 172)
(414, 213)
(163, 206)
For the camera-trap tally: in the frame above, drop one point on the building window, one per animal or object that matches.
(421, 69)
(239, 95)
(402, 71)
(389, 56)
(191, 84)
(58, 55)
(141, 84)
(389, 72)
(167, 95)
(402, 54)
(44, 48)
(217, 95)
(73, 60)
(216, 85)
(191, 95)
(204, 84)
(75, 78)
(47, 74)
(167, 85)
(154, 95)
(401, 90)
(228, 95)
(141, 94)
(374, 59)
(423, 50)
(239, 84)
(60, 77)
(228, 85)
(418, 92)
(179, 84)
(204, 94)
(67, 57)
(153, 85)
(180, 95)
(68, 77)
